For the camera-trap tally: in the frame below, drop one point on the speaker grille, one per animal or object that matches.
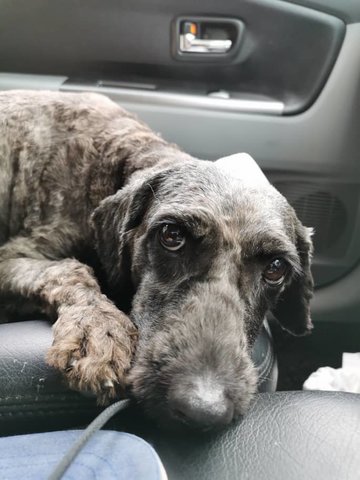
(323, 207)
(328, 216)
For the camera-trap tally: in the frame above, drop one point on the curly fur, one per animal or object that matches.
(84, 187)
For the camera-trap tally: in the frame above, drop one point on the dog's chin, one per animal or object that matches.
(175, 424)
(156, 409)
(152, 391)
(164, 419)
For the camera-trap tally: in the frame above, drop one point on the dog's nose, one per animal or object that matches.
(204, 404)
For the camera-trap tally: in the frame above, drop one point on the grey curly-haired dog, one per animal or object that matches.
(195, 257)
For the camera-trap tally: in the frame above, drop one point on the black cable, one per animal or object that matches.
(92, 428)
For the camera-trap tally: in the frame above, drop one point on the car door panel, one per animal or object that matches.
(289, 95)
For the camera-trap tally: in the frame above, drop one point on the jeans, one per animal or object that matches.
(107, 455)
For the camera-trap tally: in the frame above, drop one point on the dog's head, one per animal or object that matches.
(208, 253)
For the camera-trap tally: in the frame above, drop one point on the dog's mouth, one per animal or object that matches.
(183, 423)
(180, 405)
(187, 379)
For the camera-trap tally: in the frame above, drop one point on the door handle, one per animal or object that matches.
(207, 36)
(190, 44)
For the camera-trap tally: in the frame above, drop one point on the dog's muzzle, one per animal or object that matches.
(202, 403)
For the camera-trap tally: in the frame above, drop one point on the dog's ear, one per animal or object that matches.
(293, 306)
(114, 221)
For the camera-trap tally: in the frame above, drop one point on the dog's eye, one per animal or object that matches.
(275, 272)
(172, 237)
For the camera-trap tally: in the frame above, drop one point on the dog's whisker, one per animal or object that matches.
(152, 190)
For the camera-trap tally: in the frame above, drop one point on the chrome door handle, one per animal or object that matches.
(206, 39)
(190, 44)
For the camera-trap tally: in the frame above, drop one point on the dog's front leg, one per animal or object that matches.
(93, 341)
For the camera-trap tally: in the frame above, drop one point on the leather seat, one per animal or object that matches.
(287, 435)
(284, 436)
(33, 397)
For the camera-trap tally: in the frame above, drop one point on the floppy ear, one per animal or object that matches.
(293, 307)
(113, 222)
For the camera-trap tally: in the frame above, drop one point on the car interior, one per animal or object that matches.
(278, 79)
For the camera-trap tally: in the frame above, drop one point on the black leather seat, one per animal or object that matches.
(287, 435)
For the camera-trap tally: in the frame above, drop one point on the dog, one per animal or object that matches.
(157, 268)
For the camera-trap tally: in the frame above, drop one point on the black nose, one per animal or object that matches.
(201, 406)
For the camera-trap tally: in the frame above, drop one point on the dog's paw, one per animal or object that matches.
(93, 347)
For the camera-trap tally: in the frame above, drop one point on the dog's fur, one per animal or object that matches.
(84, 182)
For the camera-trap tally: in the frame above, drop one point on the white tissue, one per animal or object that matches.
(344, 379)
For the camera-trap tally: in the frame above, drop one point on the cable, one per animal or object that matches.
(92, 428)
